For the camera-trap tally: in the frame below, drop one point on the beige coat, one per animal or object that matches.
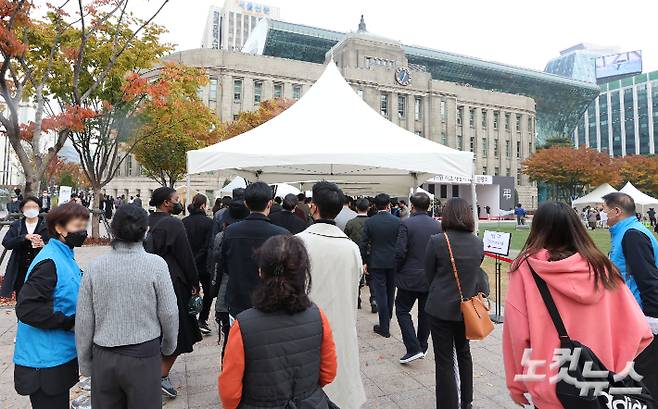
(335, 271)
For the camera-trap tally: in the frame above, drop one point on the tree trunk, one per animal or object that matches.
(32, 184)
(96, 216)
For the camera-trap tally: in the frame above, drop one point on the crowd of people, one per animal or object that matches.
(594, 217)
(286, 276)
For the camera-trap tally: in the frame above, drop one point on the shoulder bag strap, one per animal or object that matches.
(454, 266)
(550, 303)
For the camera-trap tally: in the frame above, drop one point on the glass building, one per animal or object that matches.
(623, 119)
(559, 101)
(579, 62)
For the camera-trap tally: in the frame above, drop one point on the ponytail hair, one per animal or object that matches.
(197, 201)
(285, 276)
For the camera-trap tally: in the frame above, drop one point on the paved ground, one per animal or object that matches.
(388, 384)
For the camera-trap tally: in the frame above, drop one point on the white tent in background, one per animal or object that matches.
(594, 197)
(283, 189)
(642, 200)
(420, 189)
(237, 182)
(332, 134)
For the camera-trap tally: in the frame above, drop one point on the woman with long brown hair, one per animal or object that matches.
(596, 307)
(443, 300)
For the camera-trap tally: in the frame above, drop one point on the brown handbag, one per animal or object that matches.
(476, 313)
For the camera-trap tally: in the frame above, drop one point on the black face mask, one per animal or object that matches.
(177, 208)
(76, 238)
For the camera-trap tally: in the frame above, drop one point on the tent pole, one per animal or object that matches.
(188, 188)
(476, 216)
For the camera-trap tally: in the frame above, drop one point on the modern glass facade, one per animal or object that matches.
(623, 119)
(579, 62)
(559, 101)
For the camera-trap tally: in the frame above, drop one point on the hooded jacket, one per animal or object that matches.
(609, 322)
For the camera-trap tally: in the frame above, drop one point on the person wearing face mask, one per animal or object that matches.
(167, 238)
(45, 358)
(13, 205)
(25, 239)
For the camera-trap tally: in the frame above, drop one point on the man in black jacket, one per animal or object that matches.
(239, 243)
(44, 202)
(354, 230)
(286, 218)
(380, 234)
(410, 279)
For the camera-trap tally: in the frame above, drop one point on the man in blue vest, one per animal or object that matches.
(634, 251)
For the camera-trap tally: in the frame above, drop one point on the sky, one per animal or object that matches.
(524, 33)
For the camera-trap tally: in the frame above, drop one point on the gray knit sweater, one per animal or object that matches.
(126, 298)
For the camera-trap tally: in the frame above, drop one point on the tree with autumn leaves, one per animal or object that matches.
(640, 170)
(251, 119)
(65, 173)
(570, 172)
(70, 65)
(173, 125)
(184, 123)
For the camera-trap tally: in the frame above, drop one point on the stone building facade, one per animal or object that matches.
(498, 127)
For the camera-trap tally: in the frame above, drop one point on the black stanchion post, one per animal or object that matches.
(497, 316)
(496, 245)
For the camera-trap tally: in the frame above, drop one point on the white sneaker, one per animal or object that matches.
(85, 383)
(81, 402)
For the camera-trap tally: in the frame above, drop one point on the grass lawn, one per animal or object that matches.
(601, 238)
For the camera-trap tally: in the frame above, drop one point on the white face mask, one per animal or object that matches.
(30, 213)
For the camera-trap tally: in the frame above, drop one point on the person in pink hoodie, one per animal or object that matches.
(597, 308)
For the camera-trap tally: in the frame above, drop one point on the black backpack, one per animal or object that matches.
(568, 393)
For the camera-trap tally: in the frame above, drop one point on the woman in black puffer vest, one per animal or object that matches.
(281, 352)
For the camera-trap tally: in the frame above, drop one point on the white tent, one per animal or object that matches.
(237, 182)
(332, 134)
(595, 196)
(642, 200)
(420, 189)
(283, 189)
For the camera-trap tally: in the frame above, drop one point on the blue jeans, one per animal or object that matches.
(384, 286)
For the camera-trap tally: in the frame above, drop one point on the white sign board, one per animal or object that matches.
(497, 242)
(64, 194)
(479, 180)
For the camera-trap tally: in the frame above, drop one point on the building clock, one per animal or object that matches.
(403, 76)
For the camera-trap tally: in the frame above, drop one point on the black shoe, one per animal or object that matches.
(204, 328)
(467, 406)
(377, 330)
(409, 357)
(373, 307)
